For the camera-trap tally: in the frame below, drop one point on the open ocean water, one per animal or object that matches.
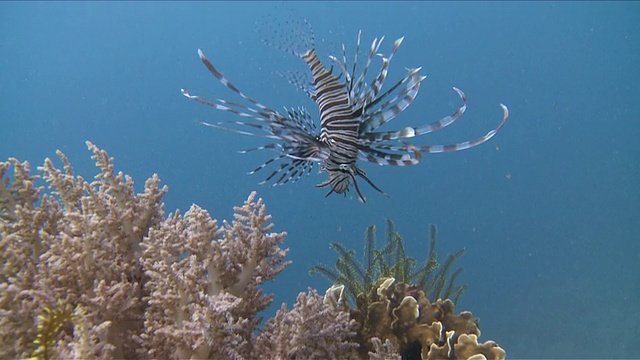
(547, 210)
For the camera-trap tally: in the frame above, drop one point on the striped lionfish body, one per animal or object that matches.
(339, 127)
(351, 111)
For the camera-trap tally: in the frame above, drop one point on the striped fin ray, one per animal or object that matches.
(392, 108)
(347, 76)
(434, 149)
(297, 167)
(298, 148)
(361, 95)
(466, 144)
(355, 61)
(226, 105)
(263, 165)
(229, 85)
(298, 125)
(380, 157)
(342, 65)
(382, 76)
(402, 147)
(359, 91)
(409, 92)
(289, 172)
(360, 88)
(303, 119)
(284, 129)
(409, 132)
(265, 115)
(220, 126)
(293, 170)
(301, 156)
(272, 146)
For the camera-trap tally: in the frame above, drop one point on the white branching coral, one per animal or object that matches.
(84, 248)
(21, 222)
(94, 270)
(313, 329)
(203, 282)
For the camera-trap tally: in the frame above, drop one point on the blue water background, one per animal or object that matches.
(547, 210)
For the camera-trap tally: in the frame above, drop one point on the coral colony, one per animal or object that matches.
(90, 269)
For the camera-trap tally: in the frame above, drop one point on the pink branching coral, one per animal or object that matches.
(314, 329)
(200, 304)
(94, 270)
(79, 246)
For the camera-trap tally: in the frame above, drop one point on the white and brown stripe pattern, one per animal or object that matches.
(338, 128)
(351, 111)
(298, 147)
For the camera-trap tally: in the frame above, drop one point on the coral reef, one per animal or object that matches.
(94, 270)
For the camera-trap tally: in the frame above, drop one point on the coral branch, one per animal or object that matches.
(203, 281)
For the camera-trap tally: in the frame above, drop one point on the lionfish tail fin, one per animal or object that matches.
(293, 35)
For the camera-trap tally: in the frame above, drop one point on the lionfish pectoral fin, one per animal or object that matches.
(301, 81)
(395, 105)
(416, 151)
(466, 144)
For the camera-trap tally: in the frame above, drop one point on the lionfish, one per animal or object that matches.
(351, 112)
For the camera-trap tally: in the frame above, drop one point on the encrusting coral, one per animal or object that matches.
(416, 327)
(389, 305)
(94, 270)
